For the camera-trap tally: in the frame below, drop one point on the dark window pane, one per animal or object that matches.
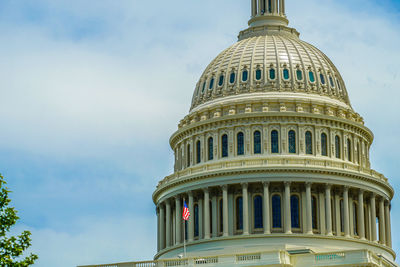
(295, 211)
(232, 78)
(355, 218)
(211, 84)
(239, 213)
(224, 141)
(338, 83)
(309, 145)
(272, 74)
(276, 212)
(221, 80)
(245, 75)
(322, 77)
(292, 141)
(286, 74)
(274, 142)
(324, 144)
(269, 6)
(331, 81)
(311, 76)
(341, 215)
(196, 220)
(221, 215)
(198, 152)
(337, 147)
(314, 213)
(188, 156)
(257, 142)
(240, 144)
(258, 75)
(210, 148)
(204, 87)
(258, 212)
(299, 74)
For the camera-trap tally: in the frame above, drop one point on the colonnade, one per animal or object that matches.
(323, 209)
(260, 7)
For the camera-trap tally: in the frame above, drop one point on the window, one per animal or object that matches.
(331, 81)
(314, 205)
(272, 74)
(196, 220)
(211, 84)
(221, 80)
(204, 87)
(232, 78)
(245, 75)
(210, 148)
(258, 212)
(188, 156)
(349, 157)
(299, 75)
(257, 142)
(324, 144)
(286, 75)
(295, 211)
(309, 145)
(224, 142)
(258, 74)
(239, 213)
(337, 147)
(355, 218)
(292, 141)
(240, 144)
(221, 215)
(198, 152)
(311, 76)
(322, 78)
(274, 142)
(276, 211)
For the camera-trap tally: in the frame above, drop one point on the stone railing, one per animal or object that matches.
(272, 162)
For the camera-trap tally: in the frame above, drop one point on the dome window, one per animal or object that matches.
(258, 74)
(322, 78)
(274, 141)
(331, 81)
(257, 142)
(311, 76)
(292, 142)
(272, 74)
(286, 75)
(211, 84)
(299, 75)
(245, 75)
(240, 144)
(221, 80)
(224, 142)
(232, 78)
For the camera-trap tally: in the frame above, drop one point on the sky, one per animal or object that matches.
(91, 91)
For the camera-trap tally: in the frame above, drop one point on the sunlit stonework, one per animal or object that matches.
(273, 162)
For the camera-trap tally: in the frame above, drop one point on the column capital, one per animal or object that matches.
(387, 202)
(265, 183)
(177, 197)
(190, 193)
(309, 184)
(206, 190)
(361, 191)
(224, 187)
(287, 183)
(346, 188)
(245, 185)
(328, 186)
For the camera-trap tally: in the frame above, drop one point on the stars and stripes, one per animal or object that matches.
(186, 212)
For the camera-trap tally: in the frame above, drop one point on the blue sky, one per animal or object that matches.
(90, 92)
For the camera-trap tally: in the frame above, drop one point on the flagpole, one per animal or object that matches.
(184, 235)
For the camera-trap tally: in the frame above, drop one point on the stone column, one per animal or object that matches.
(266, 214)
(288, 217)
(206, 213)
(245, 208)
(178, 220)
(281, 7)
(388, 224)
(253, 8)
(259, 7)
(382, 232)
(191, 217)
(309, 209)
(346, 218)
(162, 227)
(360, 214)
(225, 209)
(328, 209)
(168, 223)
(373, 218)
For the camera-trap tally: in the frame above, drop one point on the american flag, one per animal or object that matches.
(186, 212)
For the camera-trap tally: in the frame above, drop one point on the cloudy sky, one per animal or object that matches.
(90, 92)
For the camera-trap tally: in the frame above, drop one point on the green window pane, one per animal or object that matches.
(221, 80)
(272, 74)
(258, 75)
(232, 78)
(311, 76)
(322, 77)
(211, 84)
(245, 75)
(299, 74)
(286, 74)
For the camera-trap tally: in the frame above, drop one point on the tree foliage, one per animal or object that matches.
(12, 248)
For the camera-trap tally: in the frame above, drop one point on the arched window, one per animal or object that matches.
(211, 83)
(232, 78)
(239, 213)
(258, 74)
(245, 75)
(331, 81)
(210, 148)
(311, 76)
(221, 215)
(276, 211)
(272, 74)
(309, 145)
(349, 157)
(286, 75)
(274, 141)
(299, 75)
(198, 152)
(258, 212)
(240, 144)
(292, 141)
(337, 147)
(314, 205)
(355, 218)
(204, 87)
(224, 143)
(221, 80)
(324, 144)
(257, 142)
(188, 156)
(295, 211)
(322, 77)
(196, 220)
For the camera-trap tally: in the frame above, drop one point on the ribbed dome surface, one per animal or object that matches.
(270, 63)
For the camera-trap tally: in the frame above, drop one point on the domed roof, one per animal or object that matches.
(265, 61)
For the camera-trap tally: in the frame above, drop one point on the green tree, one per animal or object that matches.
(12, 248)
